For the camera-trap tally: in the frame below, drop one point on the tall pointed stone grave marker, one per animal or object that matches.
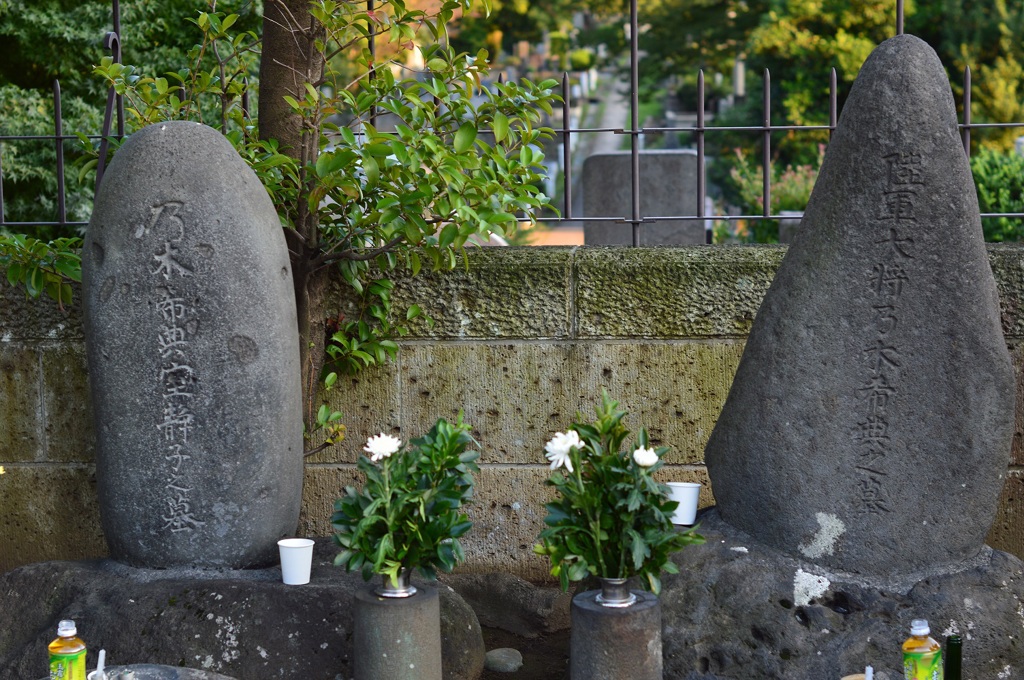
(868, 427)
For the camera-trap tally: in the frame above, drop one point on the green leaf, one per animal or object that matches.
(448, 235)
(500, 126)
(465, 137)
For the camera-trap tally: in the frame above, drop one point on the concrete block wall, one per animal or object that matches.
(522, 342)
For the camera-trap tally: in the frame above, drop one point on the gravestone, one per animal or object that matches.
(193, 356)
(668, 186)
(868, 427)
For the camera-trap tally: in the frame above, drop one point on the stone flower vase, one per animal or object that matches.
(397, 632)
(616, 633)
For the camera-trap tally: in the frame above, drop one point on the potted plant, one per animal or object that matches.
(407, 516)
(611, 520)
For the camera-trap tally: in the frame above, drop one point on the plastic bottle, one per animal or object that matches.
(922, 656)
(67, 653)
(953, 656)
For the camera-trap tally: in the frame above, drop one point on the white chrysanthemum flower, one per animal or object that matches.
(645, 457)
(557, 450)
(382, 446)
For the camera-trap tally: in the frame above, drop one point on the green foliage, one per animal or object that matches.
(29, 166)
(986, 37)
(611, 518)
(790, 190)
(40, 266)
(384, 199)
(999, 178)
(408, 515)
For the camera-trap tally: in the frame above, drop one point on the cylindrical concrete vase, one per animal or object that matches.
(397, 638)
(612, 643)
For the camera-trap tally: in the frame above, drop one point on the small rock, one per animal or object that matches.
(503, 660)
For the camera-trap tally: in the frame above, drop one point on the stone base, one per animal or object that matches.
(397, 638)
(739, 610)
(610, 643)
(242, 624)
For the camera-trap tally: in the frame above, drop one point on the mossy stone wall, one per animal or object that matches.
(522, 342)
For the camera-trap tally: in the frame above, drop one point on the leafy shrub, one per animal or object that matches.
(999, 178)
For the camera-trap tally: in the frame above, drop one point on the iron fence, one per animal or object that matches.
(114, 115)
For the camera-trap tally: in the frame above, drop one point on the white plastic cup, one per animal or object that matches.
(686, 494)
(296, 560)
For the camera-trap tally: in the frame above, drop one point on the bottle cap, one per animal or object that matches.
(919, 627)
(66, 628)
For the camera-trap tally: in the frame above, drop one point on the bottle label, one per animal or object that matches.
(67, 666)
(922, 665)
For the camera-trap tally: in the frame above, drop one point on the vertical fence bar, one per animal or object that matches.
(372, 44)
(111, 42)
(701, 188)
(967, 111)
(899, 17)
(833, 103)
(766, 152)
(117, 58)
(634, 111)
(58, 132)
(566, 148)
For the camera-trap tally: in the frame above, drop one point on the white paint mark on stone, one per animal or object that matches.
(323, 645)
(1007, 672)
(739, 549)
(263, 653)
(951, 629)
(830, 528)
(6, 337)
(807, 587)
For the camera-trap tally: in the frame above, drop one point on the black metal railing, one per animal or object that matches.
(635, 219)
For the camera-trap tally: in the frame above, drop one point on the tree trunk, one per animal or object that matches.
(290, 60)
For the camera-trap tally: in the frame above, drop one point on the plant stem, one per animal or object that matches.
(595, 521)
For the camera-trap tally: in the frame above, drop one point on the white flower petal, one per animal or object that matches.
(645, 457)
(557, 450)
(382, 446)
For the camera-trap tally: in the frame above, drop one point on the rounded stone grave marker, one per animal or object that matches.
(193, 356)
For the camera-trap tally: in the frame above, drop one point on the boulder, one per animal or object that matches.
(240, 623)
(741, 610)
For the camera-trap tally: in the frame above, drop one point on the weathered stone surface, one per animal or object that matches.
(503, 660)
(67, 410)
(434, 384)
(506, 293)
(20, 438)
(740, 610)
(674, 389)
(671, 292)
(193, 355)
(512, 604)
(25, 318)
(669, 187)
(48, 512)
(868, 428)
(243, 624)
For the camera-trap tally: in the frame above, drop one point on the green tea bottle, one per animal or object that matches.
(922, 656)
(67, 653)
